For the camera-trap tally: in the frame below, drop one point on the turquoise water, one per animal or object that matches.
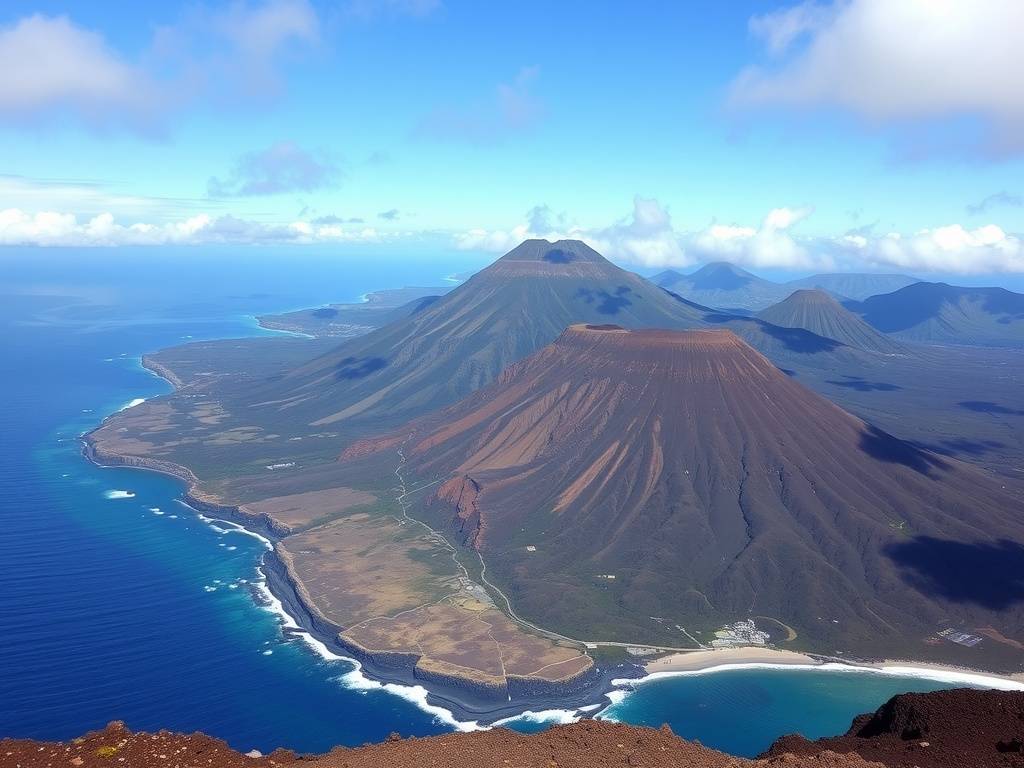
(133, 608)
(744, 711)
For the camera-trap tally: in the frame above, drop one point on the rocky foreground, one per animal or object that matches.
(946, 729)
(589, 744)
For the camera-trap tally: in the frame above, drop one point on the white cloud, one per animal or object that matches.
(49, 63)
(770, 245)
(51, 68)
(952, 249)
(897, 61)
(53, 228)
(646, 237)
(649, 239)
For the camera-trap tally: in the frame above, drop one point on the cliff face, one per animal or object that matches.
(588, 744)
(944, 729)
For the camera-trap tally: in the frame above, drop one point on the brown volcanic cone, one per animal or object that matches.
(818, 312)
(620, 483)
(463, 340)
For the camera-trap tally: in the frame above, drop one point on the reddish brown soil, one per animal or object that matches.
(946, 729)
(612, 466)
(582, 745)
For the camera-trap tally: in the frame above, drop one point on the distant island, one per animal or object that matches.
(520, 491)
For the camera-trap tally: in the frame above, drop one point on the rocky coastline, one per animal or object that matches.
(467, 700)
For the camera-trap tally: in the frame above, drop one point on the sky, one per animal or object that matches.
(856, 135)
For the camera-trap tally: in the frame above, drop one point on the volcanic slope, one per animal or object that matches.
(464, 339)
(937, 313)
(819, 313)
(622, 485)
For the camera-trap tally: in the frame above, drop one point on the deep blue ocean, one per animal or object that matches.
(118, 602)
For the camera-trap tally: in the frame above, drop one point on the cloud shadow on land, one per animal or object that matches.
(884, 447)
(863, 385)
(983, 406)
(988, 574)
(607, 303)
(359, 367)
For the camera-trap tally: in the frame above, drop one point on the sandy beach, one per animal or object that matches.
(702, 661)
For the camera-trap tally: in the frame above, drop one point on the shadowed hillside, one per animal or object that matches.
(819, 313)
(616, 476)
(947, 314)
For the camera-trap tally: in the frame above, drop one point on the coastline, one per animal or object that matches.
(749, 657)
(460, 703)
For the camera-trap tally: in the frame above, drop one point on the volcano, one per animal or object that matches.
(818, 312)
(723, 286)
(462, 340)
(644, 486)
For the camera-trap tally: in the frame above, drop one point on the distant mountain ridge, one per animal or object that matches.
(851, 285)
(947, 314)
(726, 286)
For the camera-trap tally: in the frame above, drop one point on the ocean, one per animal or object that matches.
(117, 601)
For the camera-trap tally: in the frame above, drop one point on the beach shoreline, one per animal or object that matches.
(750, 657)
(458, 705)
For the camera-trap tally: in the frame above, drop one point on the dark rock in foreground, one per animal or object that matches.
(944, 729)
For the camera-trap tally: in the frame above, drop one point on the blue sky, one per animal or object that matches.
(863, 134)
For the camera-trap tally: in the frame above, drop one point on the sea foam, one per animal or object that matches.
(354, 679)
(117, 494)
(132, 403)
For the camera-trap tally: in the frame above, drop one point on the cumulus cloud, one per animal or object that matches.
(392, 214)
(950, 249)
(53, 228)
(648, 238)
(772, 244)
(1003, 198)
(48, 65)
(512, 108)
(52, 69)
(898, 61)
(282, 167)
